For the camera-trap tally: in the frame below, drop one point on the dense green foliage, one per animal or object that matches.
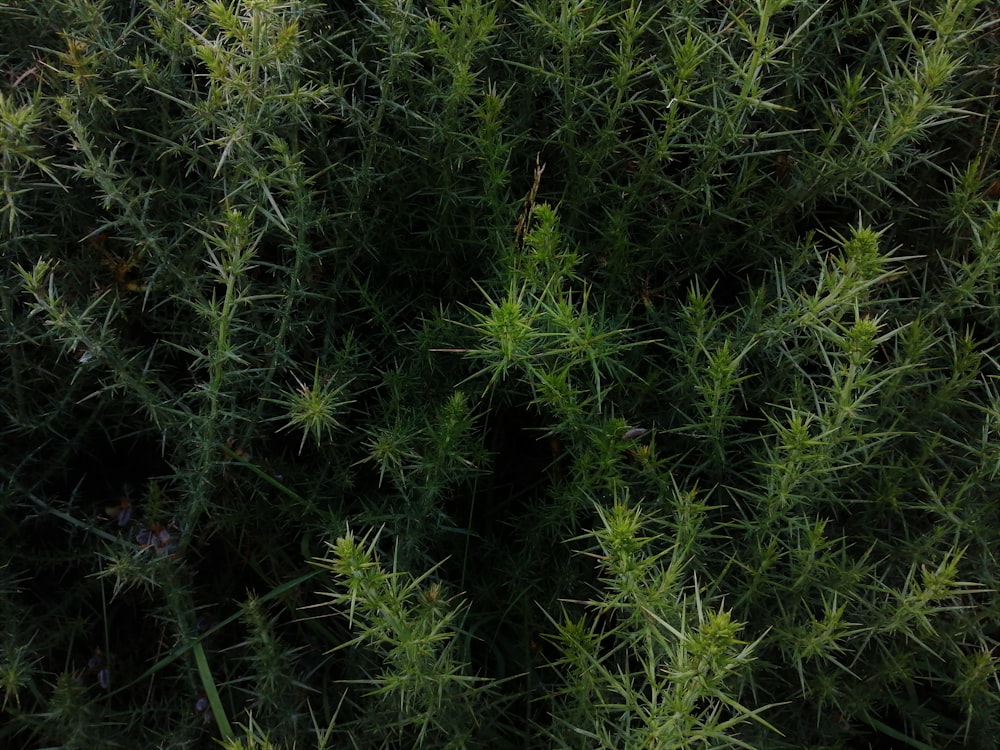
(474, 373)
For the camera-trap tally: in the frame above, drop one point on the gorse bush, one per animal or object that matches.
(485, 374)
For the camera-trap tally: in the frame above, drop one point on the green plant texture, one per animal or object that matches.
(489, 374)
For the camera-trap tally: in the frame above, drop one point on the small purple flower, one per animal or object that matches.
(201, 705)
(157, 537)
(97, 664)
(120, 513)
(163, 541)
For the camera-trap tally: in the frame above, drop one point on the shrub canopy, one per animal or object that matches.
(473, 373)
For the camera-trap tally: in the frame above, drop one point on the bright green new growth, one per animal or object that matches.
(424, 694)
(499, 374)
(313, 408)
